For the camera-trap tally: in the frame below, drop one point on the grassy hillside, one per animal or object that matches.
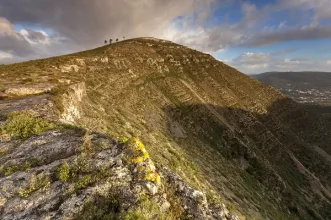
(223, 132)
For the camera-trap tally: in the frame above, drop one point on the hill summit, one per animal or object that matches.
(217, 143)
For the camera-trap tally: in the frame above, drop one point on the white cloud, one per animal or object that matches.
(297, 33)
(320, 8)
(254, 63)
(16, 46)
(84, 24)
(35, 37)
(282, 24)
(11, 41)
(89, 23)
(5, 55)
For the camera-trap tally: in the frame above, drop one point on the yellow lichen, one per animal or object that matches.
(153, 176)
(145, 166)
(151, 163)
(138, 160)
(123, 140)
(135, 140)
(157, 178)
(145, 155)
(138, 145)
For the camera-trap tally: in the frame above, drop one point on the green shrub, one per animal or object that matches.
(12, 168)
(64, 172)
(25, 124)
(84, 182)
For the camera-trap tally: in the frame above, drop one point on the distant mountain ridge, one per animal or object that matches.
(304, 80)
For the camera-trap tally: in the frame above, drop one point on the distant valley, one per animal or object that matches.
(312, 89)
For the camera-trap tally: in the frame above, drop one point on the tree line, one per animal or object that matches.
(111, 40)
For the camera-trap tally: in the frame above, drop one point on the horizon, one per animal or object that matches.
(253, 36)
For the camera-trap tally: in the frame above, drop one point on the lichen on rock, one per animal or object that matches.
(142, 165)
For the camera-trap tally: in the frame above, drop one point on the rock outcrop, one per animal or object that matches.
(59, 173)
(24, 90)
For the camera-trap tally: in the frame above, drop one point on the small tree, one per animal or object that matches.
(110, 41)
(105, 41)
(123, 38)
(117, 40)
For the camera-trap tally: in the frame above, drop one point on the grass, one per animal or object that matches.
(101, 207)
(10, 169)
(80, 173)
(25, 124)
(147, 210)
(84, 182)
(109, 208)
(36, 182)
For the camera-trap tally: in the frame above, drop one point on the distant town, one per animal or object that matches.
(313, 96)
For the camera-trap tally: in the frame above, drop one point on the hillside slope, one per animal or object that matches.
(225, 134)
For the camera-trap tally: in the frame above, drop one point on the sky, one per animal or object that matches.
(253, 36)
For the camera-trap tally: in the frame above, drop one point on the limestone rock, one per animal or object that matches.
(69, 68)
(24, 90)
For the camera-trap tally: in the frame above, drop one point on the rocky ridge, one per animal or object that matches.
(60, 173)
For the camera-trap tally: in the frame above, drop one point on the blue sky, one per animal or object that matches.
(253, 36)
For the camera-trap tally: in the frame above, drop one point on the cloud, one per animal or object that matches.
(12, 42)
(83, 24)
(319, 8)
(210, 40)
(35, 37)
(5, 55)
(284, 51)
(247, 32)
(16, 46)
(254, 63)
(88, 22)
(303, 33)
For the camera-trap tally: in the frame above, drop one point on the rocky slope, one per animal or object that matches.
(220, 140)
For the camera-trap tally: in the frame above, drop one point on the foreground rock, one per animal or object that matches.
(68, 173)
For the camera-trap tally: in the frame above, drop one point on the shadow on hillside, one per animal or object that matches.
(323, 110)
(260, 145)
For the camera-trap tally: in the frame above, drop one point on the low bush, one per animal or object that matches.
(25, 124)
